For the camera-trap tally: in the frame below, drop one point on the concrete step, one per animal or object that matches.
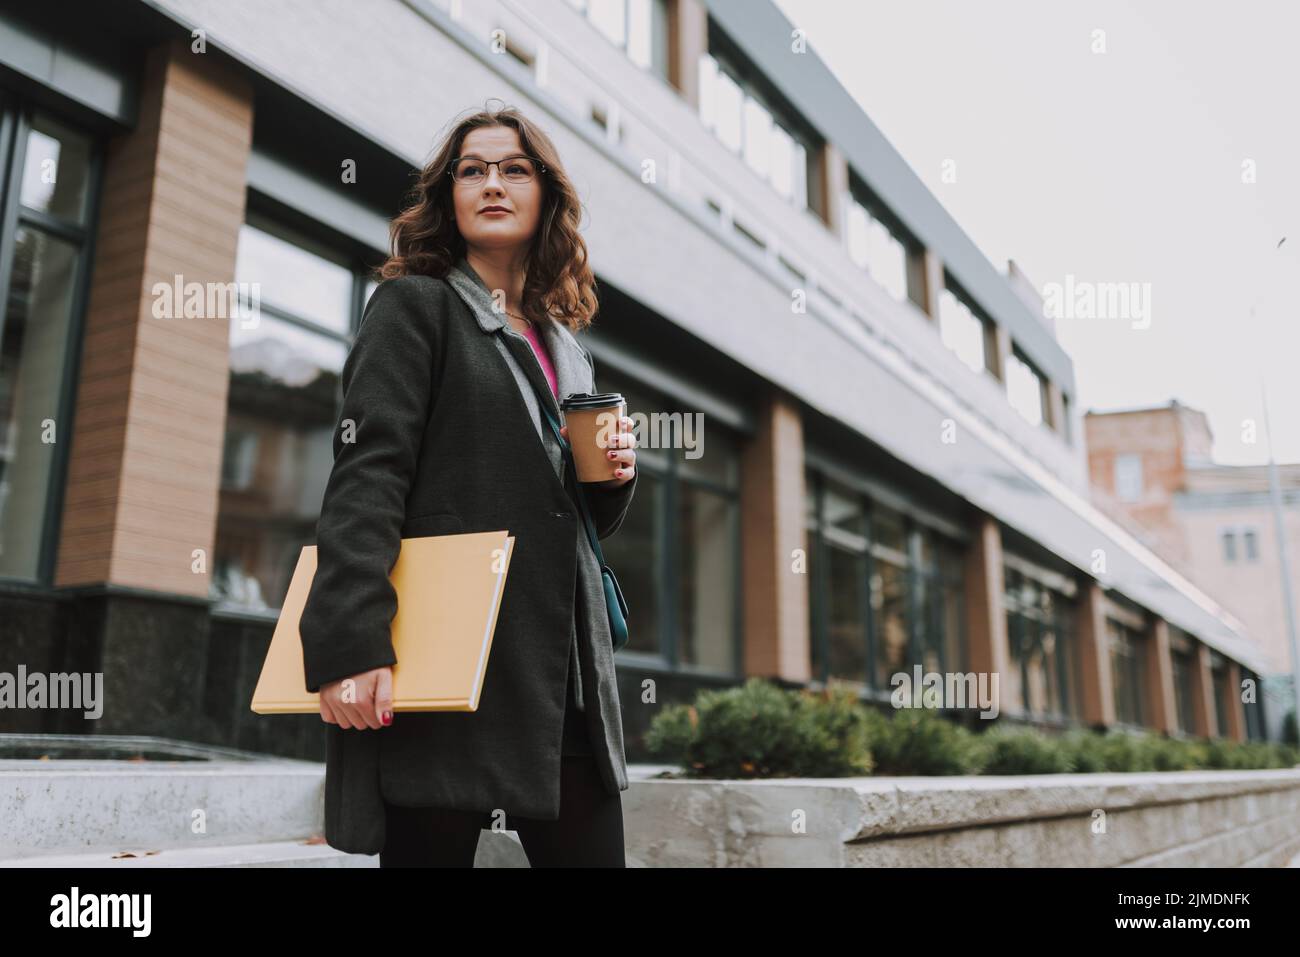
(263, 854)
(209, 798)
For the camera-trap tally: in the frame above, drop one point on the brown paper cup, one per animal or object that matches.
(592, 421)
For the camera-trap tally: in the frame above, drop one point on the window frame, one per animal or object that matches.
(988, 331)
(862, 195)
(265, 215)
(16, 120)
(671, 477)
(1129, 457)
(914, 528)
(1130, 645)
(1064, 623)
(732, 62)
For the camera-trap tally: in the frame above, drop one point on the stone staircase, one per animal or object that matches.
(124, 801)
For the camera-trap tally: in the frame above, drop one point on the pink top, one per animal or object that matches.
(543, 358)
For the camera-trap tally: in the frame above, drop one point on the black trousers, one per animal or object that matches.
(589, 832)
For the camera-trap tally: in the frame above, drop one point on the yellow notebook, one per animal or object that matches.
(449, 590)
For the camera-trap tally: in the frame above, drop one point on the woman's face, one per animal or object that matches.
(522, 201)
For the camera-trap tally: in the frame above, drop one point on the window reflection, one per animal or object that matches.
(639, 27)
(741, 118)
(1182, 662)
(962, 331)
(873, 248)
(1126, 647)
(56, 170)
(1025, 389)
(1041, 639)
(32, 349)
(679, 540)
(281, 412)
(295, 279)
(890, 596)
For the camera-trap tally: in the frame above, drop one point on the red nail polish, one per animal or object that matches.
(387, 717)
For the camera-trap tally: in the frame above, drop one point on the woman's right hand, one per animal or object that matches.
(359, 701)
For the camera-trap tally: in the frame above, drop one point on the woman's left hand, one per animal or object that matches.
(624, 452)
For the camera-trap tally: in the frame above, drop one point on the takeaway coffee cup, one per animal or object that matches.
(592, 421)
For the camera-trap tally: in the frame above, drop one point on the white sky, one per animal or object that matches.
(1116, 167)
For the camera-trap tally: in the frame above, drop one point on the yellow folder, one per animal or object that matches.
(449, 590)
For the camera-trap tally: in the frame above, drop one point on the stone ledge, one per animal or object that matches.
(1151, 819)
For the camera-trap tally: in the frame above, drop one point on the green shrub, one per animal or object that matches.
(919, 741)
(671, 732)
(1021, 751)
(1085, 750)
(761, 730)
(1174, 754)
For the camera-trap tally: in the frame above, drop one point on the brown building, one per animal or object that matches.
(1153, 469)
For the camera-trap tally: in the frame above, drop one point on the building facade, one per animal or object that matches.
(874, 455)
(1154, 469)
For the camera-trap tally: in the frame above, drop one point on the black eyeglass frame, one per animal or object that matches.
(451, 167)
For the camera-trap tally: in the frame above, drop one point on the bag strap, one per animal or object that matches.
(566, 454)
(581, 496)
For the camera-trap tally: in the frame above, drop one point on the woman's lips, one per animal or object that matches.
(494, 212)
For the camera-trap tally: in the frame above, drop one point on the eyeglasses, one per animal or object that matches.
(470, 170)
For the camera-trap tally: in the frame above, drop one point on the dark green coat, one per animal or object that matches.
(446, 442)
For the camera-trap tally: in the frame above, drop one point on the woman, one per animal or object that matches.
(442, 432)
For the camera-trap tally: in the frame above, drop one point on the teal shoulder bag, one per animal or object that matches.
(615, 604)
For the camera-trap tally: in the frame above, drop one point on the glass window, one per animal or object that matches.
(282, 407)
(1229, 537)
(742, 119)
(728, 103)
(706, 554)
(1128, 477)
(886, 593)
(639, 27)
(610, 18)
(1251, 542)
(873, 248)
(680, 539)
(1127, 669)
(1252, 710)
(845, 550)
(56, 169)
(637, 555)
(32, 350)
(1041, 635)
(295, 278)
(785, 157)
(1026, 389)
(1222, 692)
(1183, 664)
(962, 331)
(45, 270)
(757, 124)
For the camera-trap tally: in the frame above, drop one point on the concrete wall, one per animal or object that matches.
(1172, 819)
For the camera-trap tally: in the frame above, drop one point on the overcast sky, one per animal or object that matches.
(1123, 166)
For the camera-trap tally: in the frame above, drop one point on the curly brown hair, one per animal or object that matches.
(424, 238)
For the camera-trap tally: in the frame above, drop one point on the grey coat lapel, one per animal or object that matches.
(573, 374)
